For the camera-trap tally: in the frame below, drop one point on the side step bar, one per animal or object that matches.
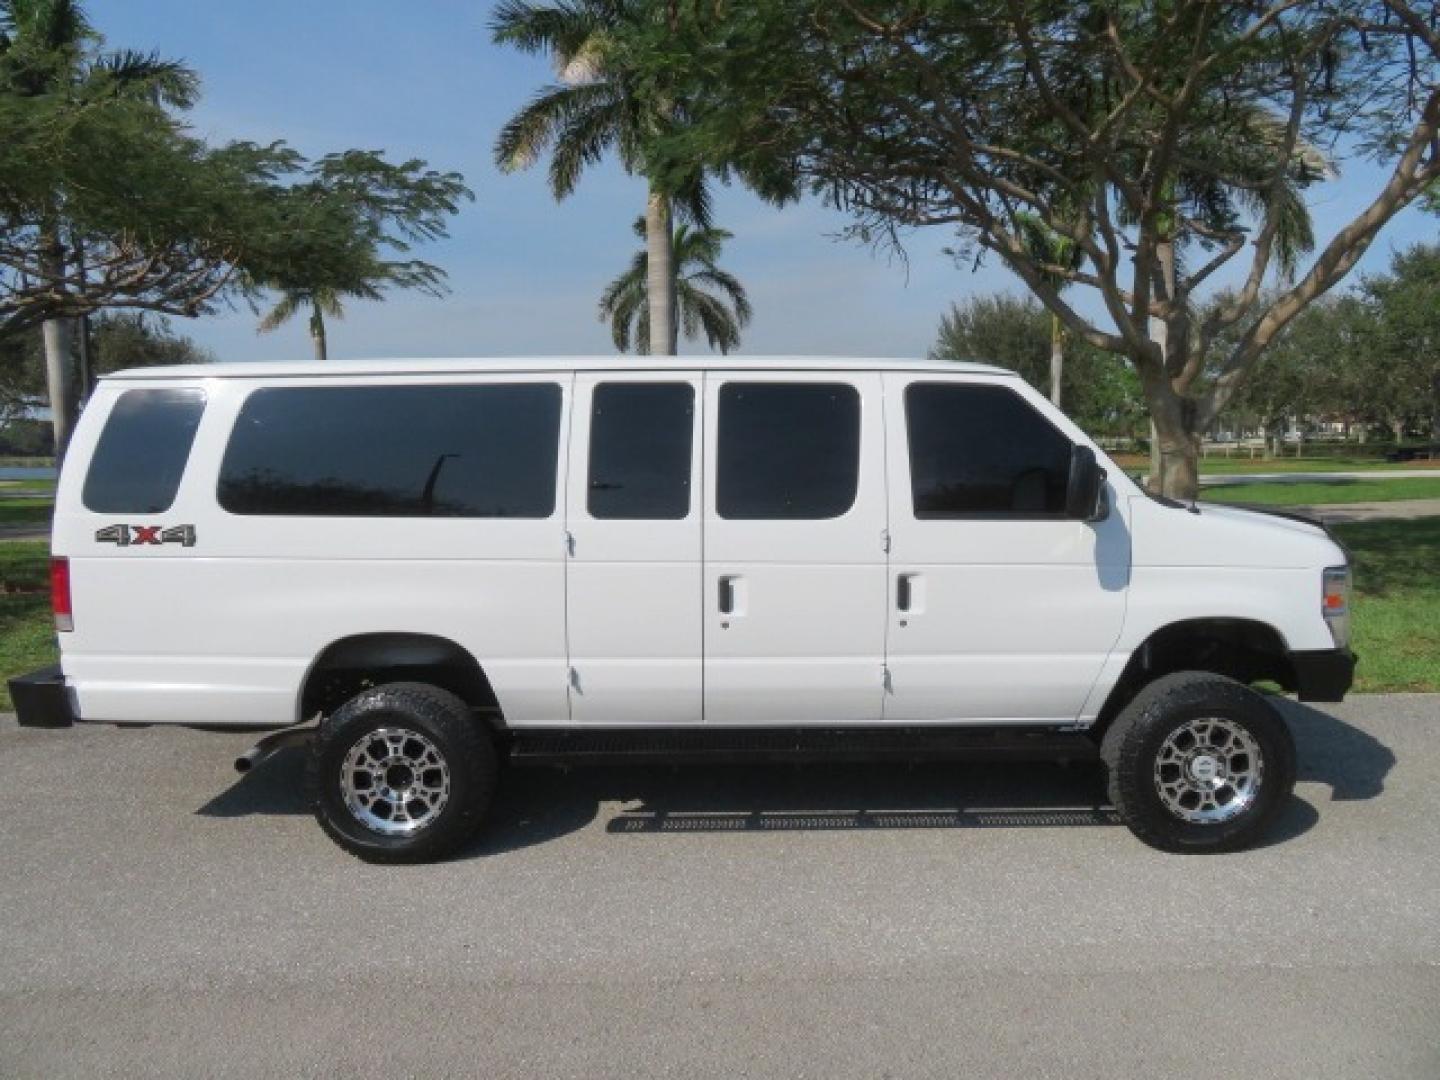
(718, 745)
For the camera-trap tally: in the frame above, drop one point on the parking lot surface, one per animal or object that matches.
(160, 915)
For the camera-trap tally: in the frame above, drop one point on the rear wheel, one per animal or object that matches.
(1198, 762)
(401, 773)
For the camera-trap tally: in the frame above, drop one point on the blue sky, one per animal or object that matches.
(423, 80)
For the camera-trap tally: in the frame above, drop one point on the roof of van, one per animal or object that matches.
(474, 365)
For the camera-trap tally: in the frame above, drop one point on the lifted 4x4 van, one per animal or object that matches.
(427, 569)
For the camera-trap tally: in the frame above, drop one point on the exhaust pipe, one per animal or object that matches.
(269, 745)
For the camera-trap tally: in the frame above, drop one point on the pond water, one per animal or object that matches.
(27, 472)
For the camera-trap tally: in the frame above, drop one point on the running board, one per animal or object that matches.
(629, 746)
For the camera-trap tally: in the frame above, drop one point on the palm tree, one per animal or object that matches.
(320, 301)
(695, 256)
(49, 48)
(1050, 248)
(594, 107)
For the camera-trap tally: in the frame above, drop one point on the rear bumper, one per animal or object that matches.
(42, 699)
(1323, 674)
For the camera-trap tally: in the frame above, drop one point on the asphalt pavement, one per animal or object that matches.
(161, 916)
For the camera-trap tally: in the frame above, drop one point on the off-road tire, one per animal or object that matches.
(1134, 740)
(439, 717)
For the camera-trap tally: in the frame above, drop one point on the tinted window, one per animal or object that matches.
(395, 451)
(981, 450)
(142, 451)
(640, 440)
(787, 450)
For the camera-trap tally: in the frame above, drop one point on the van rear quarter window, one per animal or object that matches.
(486, 451)
(141, 454)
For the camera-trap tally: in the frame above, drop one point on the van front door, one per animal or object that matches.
(633, 587)
(1002, 609)
(794, 590)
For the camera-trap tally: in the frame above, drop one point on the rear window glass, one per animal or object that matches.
(142, 451)
(486, 451)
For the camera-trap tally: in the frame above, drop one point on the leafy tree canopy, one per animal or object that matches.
(107, 200)
(1101, 393)
(1166, 141)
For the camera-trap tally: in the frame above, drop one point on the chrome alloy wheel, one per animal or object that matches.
(395, 781)
(1208, 770)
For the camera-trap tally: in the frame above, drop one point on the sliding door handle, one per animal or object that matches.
(727, 594)
(907, 587)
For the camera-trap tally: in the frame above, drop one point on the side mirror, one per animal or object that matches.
(1085, 493)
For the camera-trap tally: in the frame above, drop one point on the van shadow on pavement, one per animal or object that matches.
(535, 805)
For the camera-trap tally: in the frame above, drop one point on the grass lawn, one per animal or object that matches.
(25, 487)
(1319, 493)
(24, 510)
(1224, 466)
(1396, 620)
(1396, 616)
(27, 633)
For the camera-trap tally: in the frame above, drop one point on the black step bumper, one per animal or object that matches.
(42, 699)
(1323, 674)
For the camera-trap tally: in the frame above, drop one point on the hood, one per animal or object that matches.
(1214, 535)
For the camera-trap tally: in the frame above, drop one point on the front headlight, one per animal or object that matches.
(1335, 603)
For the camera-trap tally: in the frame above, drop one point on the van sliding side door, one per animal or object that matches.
(633, 619)
(794, 594)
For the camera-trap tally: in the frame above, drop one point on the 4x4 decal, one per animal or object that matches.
(141, 535)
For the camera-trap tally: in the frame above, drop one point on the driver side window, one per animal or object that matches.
(981, 451)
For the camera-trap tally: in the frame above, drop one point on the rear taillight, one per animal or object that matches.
(60, 594)
(1335, 603)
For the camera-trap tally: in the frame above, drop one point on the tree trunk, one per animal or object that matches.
(58, 335)
(660, 274)
(1434, 412)
(1275, 437)
(86, 355)
(1179, 451)
(317, 334)
(1057, 358)
(59, 387)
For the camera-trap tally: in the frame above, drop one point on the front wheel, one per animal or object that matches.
(401, 773)
(1198, 762)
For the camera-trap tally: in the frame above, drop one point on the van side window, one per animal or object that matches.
(640, 450)
(982, 451)
(486, 451)
(787, 451)
(142, 451)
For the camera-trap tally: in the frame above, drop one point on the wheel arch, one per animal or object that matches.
(356, 662)
(1243, 649)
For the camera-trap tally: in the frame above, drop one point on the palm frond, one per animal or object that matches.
(582, 141)
(558, 116)
(730, 285)
(560, 29)
(714, 318)
(693, 204)
(131, 73)
(48, 25)
(283, 311)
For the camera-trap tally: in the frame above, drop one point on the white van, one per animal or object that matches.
(425, 569)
